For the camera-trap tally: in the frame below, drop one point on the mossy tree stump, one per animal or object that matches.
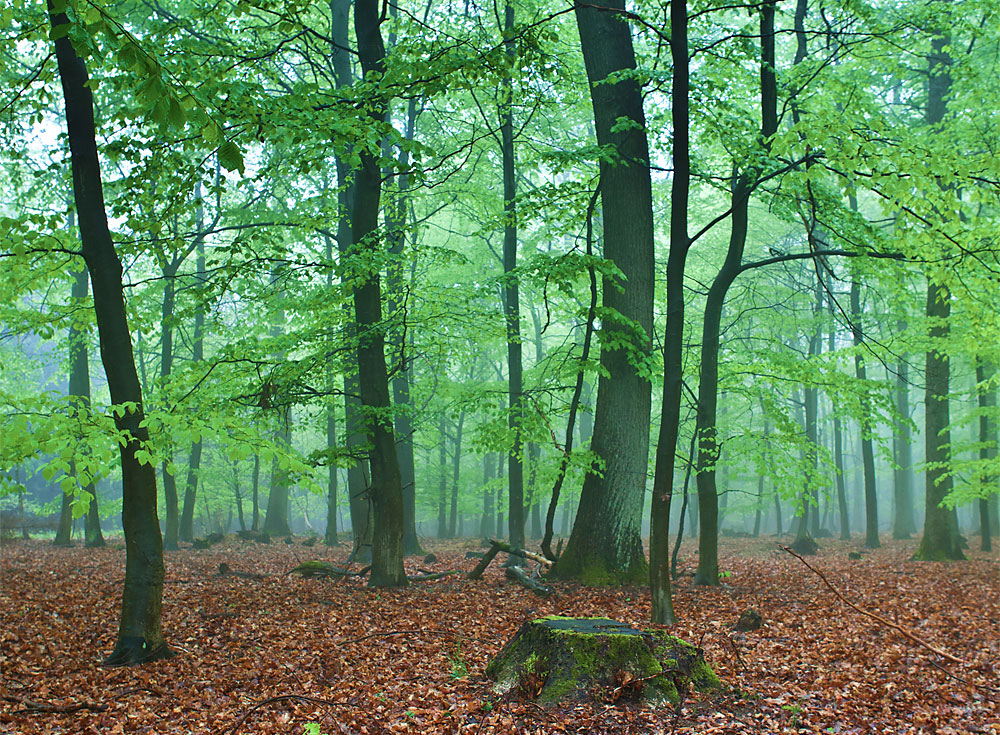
(556, 658)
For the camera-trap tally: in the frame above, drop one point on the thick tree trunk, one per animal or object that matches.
(386, 489)
(605, 545)
(940, 540)
(140, 635)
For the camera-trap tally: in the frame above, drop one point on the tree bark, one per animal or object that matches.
(867, 453)
(673, 341)
(987, 451)
(940, 540)
(140, 635)
(198, 354)
(605, 545)
(903, 523)
(386, 489)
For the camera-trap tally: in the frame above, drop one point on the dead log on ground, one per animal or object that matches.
(517, 574)
(498, 546)
(326, 569)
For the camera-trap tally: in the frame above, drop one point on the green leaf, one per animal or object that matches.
(230, 157)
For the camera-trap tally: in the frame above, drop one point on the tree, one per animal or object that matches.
(940, 540)
(140, 635)
(386, 490)
(605, 544)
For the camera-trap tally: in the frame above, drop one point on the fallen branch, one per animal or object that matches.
(286, 698)
(226, 571)
(900, 629)
(325, 569)
(33, 707)
(498, 546)
(432, 575)
(517, 574)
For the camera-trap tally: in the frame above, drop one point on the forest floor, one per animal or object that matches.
(412, 660)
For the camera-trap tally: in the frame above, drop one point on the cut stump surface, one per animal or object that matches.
(556, 658)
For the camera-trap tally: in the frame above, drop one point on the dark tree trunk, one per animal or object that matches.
(605, 545)
(386, 483)
(708, 385)
(867, 453)
(512, 305)
(673, 342)
(140, 635)
(940, 540)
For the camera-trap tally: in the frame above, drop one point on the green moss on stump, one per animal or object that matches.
(555, 658)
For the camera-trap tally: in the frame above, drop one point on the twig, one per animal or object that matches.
(285, 698)
(900, 629)
(32, 707)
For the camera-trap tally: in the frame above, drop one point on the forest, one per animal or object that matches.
(681, 310)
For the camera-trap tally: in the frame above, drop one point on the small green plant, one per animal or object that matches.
(725, 574)
(312, 728)
(459, 668)
(794, 710)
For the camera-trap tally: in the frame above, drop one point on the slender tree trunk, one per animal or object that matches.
(140, 634)
(386, 489)
(198, 354)
(488, 521)
(512, 306)
(276, 515)
(708, 384)
(442, 530)
(605, 545)
(172, 528)
(330, 535)
(456, 473)
(255, 520)
(867, 453)
(903, 523)
(987, 450)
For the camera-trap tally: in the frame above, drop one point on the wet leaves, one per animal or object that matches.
(272, 655)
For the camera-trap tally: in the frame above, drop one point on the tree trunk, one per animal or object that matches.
(867, 453)
(987, 451)
(605, 545)
(442, 528)
(140, 635)
(903, 523)
(198, 354)
(456, 465)
(255, 521)
(276, 515)
(386, 483)
(708, 385)
(172, 528)
(940, 540)
(673, 341)
(488, 521)
(330, 534)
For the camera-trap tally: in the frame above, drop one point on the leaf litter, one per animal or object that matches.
(285, 654)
